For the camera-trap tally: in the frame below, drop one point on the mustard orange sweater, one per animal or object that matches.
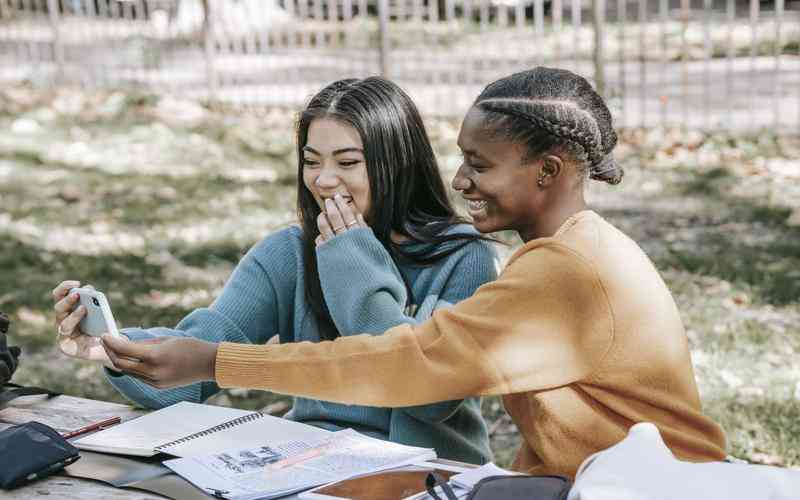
(579, 333)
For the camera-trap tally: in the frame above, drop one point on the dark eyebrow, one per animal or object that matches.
(336, 152)
(348, 150)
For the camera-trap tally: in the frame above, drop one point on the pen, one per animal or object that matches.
(92, 427)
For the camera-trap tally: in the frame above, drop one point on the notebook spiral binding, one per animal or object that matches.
(211, 430)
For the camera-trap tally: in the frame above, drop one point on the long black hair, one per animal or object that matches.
(550, 109)
(407, 194)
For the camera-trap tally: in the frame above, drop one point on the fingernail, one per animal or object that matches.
(338, 196)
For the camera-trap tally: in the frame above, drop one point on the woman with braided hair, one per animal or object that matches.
(579, 333)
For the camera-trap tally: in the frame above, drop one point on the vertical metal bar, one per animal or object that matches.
(140, 10)
(305, 39)
(538, 20)
(685, 4)
(58, 48)
(416, 10)
(707, 55)
(754, 11)
(466, 6)
(433, 11)
(643, 94)
(776, 85)
(576, 31)
(332, 26)
(622, 14)
(663, 17)
(347, 16)
(598, 56)
(127, 11)
(383, 26)
(210, 42)
(276, 37)
(91, 9)
(731, 20)
(317, 14)
(400, 10)
(558, 12)
(502, 16)
(483, 14)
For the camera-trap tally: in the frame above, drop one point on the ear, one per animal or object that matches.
(550, 169)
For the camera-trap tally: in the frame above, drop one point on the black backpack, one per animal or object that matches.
(9, 360)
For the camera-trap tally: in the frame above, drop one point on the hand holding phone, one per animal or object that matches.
(98, 319)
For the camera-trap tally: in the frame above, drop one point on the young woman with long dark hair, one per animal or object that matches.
(361, 144)
(579, 333)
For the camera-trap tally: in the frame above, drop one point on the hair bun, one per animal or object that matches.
(607, 170)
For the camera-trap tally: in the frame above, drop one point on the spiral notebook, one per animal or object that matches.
(190, 429)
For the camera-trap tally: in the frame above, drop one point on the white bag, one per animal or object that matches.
(641, 467)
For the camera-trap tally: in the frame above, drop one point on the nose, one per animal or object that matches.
(461, 182)
(327, 178)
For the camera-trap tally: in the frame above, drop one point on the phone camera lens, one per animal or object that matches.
(95, 301)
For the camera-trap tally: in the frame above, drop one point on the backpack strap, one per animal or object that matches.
(433, 480)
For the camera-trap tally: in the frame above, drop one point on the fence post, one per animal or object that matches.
(58, 49)
(598, 56)
(383, 27)
(210, 47)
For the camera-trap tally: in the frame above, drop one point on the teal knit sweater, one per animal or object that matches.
(265, 296)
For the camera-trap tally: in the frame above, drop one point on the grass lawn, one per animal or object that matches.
(154, 201)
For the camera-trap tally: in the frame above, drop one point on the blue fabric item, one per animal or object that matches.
(365, 293)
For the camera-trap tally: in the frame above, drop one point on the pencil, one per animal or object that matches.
(92, 427)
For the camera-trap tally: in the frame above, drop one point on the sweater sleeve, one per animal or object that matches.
(247, 311)
(375, 296)
(544, 323)
(363, 288)
(476, 266)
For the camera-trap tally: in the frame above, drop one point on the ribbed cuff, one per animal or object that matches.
(243, 365)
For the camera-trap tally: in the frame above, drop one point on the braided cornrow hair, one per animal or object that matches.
(550, 109)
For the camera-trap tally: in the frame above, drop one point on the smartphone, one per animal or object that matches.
(98, 319)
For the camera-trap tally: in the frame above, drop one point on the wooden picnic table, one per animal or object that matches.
(65, 413)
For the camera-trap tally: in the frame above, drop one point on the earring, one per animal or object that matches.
(542, 175)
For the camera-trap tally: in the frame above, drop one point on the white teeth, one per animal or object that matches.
(476, 204)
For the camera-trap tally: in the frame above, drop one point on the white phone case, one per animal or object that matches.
(98, 319)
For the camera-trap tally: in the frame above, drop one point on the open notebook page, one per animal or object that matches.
(142, 435)
(255, 429)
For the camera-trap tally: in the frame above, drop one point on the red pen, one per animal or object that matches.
(92, 427)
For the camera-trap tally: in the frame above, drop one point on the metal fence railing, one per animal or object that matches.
(715, 64)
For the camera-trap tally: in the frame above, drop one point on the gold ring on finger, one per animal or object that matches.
(351, 223)
(337, 229)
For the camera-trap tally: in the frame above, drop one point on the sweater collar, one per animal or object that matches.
(565, 226)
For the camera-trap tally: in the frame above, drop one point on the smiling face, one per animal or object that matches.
(333, 163)
(499, 190)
